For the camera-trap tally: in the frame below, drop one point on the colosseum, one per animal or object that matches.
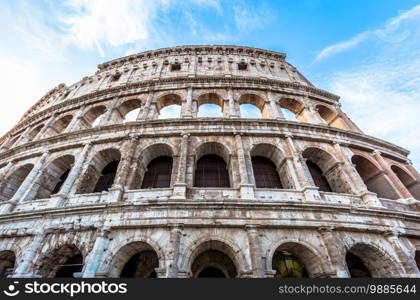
(202, 161)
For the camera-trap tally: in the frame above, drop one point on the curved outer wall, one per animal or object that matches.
(372, 209)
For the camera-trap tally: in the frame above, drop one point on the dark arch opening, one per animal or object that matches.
(107, 177)
(73, 264)
(318, 177)
(417, 258)
(14, 181)
(356, 266)
(213, 264)
(265, 173)
(287, 265)
(211, 171)
(60, 183)
(211, 272)
(141, 265)
(7, 263)
(158, 174)
(408, 181)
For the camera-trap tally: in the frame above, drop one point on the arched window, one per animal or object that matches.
(250, 111)
(408, 181)
(374, 179)
(73, 264)
(158, 174)
(92, 117)
(252, 106)
(210, 105)
(209, 110)
(291, 109)
(58, 126)
(107, 177)
(34, 132)
(170, 112)
(128, 111)
(169, 106)
(417, 258)
(60, 182)
(331, 118)
(7, 263)
(211, 171)
(356, 266)
(14, 181)
(141, 265)
(318, 177)
(265, 173)
(287, 265)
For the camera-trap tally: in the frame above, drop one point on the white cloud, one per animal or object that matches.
(387, 33)
(248, 18)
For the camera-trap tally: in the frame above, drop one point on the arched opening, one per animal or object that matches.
(366, 260)
(101, 172)
(324, 170)
(357, 268)
(265, 173)
(318, 177)
(73, 264)
(210, 105)
(374, 179)
(417, 258)
(92, 117)
(287, 265)
(249, 111)
(58, 126)
(169, 106)
(34, 132)
(7, 263)
(52, 177)
(291, 109)
(331, 118)
(107, 177)
(129, 111)
(13, 182)
(211, 171)
(11, 142)
(295, 260)
(213, 259)
(63, 262)
(158, 174)
(276, 160)
(136, 259)
(408, 181)
(253, 106)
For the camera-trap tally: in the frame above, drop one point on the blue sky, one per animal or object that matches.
(368, 52)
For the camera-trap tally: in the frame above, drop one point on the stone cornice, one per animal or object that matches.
(299, 130)
(191, 50)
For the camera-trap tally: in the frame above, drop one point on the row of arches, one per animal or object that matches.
(213, 168)
(214, 259)
(210, 105)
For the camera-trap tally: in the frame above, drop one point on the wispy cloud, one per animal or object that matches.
(386, 33)
(251, 17)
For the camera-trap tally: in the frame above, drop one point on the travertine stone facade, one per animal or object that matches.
(372, 210)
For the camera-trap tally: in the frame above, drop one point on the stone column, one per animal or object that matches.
(76, 119)
(394, 181)
(337, 257)
(22, 136)
(187, 109)
(233, 113)
(275, 112)
(25, 268)
(97, 254)
(106, 117)
(147, 105)
(59, 199)
(310, 192)
(246, 189)
(47, 126)
(25, 187)
(173, 250)
(180, 186)
(5, 173)
(403, 254)
(258, 268)
(194, 109)
(357, 184)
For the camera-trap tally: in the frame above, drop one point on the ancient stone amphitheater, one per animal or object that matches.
(202, 161)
